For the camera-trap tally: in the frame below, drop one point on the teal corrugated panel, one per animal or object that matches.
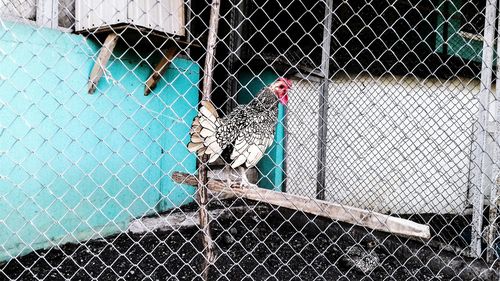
(75, 166)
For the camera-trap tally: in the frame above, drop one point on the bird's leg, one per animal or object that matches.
(244, 180)
(229, 173)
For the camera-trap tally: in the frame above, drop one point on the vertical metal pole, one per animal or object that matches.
(202, 172)
(495, 169)
(47, 13)
(323, 102)
(234, 48)
(480, 178)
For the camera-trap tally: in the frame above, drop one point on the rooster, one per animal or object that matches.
(245, 134)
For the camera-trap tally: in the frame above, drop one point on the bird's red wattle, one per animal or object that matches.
(284, 99)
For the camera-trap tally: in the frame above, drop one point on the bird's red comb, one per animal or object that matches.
(288, 82)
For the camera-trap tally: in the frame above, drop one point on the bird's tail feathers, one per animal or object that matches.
(204, 132)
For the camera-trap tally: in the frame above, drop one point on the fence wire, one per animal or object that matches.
(393, 111)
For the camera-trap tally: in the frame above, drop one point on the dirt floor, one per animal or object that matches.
(263, 245)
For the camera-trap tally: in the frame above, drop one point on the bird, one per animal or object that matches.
(242, 137)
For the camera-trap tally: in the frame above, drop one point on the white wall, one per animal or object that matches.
(302, 138)
(396, 145)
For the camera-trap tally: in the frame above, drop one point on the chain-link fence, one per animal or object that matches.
(392, 126)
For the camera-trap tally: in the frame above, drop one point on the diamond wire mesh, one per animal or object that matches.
(402, 116)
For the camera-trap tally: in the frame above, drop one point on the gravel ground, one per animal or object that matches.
(253, 246)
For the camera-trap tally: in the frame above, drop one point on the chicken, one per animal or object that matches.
(244, 134)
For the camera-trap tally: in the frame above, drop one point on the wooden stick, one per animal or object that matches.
(181, 220)
(102, 61)
(160, 68)
(211, 42)
(201, 192)
(317, 207)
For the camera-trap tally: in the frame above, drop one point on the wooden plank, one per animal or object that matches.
(160, 68)
(352, 215)
(102, 61)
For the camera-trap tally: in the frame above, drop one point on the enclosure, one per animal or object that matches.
(384, 163)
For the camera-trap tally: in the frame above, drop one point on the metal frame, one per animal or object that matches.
(234, 46)
(323, 102)
(495, 169)
(47, 13)
(481, 179)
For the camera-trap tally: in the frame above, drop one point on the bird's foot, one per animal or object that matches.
(252, 185)
(249, 185)
(245, 183)
(229, 177)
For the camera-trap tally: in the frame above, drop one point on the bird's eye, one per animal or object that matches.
(281, 86)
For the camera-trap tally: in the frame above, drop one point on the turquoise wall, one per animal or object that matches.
(271, 167)
(75, 166)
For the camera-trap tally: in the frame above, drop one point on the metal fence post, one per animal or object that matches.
(480, 179)
(495, 169)
(323, 102)
(47, 13)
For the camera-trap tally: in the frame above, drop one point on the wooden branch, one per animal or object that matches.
(317, 207)
(172, 221)
(211, 42)
(201, 192)
(102, 61)
(160, 68)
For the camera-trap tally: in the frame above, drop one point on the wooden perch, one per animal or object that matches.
(317, 207)
(160, 68)
(102, 61)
